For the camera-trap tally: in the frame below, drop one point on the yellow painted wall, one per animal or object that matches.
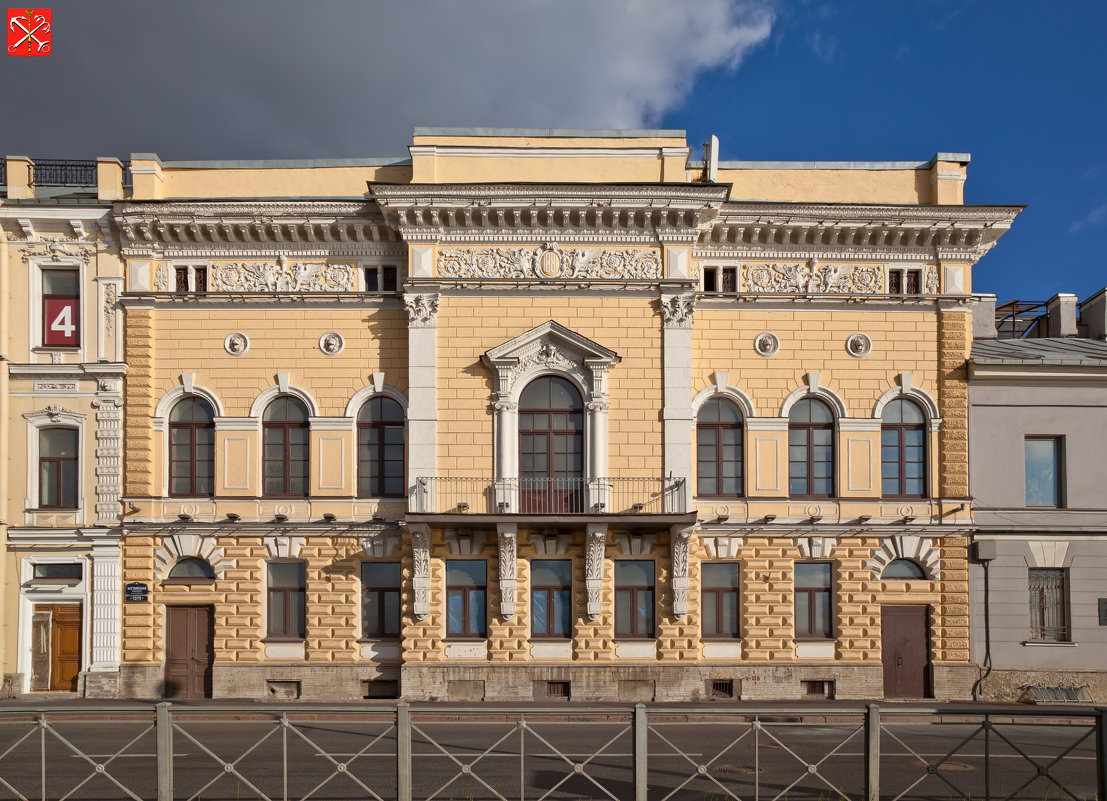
(829, 186)
(469, 326)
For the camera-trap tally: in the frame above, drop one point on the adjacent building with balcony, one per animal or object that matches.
(61, 426)
(547, 414)
(1038, 428)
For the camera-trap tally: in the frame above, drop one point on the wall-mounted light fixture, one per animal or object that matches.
(769, 518)
(864, 518)
(814, 518)
(280, 518)
(638, 507)
(463, 507)
(184, 517)
(234, 517)
(330, 517)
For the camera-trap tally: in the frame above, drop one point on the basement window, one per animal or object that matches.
(818, 689)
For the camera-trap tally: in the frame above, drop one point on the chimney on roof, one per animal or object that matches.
(984, 317)
(1061, 311)
(1093, 314)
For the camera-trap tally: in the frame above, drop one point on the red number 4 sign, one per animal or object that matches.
(29, 31)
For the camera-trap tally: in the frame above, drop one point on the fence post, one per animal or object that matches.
(872, 753)
(403, 751)
(1101, 752)
(164, 734)
(641, 772)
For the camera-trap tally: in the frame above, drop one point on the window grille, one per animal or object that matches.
(557, 689)
(1049, 613)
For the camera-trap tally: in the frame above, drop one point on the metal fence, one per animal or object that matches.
(482, 495)
(435, 752)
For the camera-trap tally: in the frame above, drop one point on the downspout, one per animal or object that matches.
(987, 635)
(5, 447)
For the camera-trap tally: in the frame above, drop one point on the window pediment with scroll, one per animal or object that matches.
(550, 348)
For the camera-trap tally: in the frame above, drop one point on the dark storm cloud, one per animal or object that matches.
(284, 79)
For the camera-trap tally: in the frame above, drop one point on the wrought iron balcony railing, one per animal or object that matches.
(549, 496)
(63, 172)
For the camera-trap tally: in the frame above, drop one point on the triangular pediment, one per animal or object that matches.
(551, 348)
(555, 334)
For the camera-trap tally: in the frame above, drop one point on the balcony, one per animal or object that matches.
(468, 495)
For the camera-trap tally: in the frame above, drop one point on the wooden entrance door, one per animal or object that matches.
(55, 647)
(904, 651)
(190, 651)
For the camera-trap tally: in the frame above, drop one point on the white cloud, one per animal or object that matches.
(1097, 216)
(280, 78)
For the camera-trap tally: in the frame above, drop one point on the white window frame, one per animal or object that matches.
(903, 269)
(35, 277)
(36, 422)
(378, 265)
(191, 267)
(717, 269)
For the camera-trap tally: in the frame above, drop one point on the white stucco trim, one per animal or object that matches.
(370, 391)
(266, 396)
(814, 390)
(38, 421)
(740, 398)
(908, 391)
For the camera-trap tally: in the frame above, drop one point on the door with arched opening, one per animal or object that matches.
(551, 447)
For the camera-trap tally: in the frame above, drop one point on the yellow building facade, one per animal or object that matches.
(545, 414)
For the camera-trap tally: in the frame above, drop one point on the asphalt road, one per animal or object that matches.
(355, 758)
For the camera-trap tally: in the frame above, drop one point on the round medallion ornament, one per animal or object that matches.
(331, 343)
(858, 345)
(548, 262)
(236, 343)
(766, 344)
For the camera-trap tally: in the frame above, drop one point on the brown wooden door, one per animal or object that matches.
(190, 651)
(55, 647)
(904, 650)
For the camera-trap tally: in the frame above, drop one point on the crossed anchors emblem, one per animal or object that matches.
(37, 25)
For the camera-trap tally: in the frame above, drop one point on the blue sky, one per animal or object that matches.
(1021, 85)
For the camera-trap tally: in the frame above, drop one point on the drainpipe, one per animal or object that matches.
(985, 553)
(5, 443)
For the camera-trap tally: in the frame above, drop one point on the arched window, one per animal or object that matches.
(903, 450)
(192, 448)
(192, 567)
(719, 449)
(57, 468)
(380, 449)
(551, 447)
(285, 442)
(810, 450)
(902, 569)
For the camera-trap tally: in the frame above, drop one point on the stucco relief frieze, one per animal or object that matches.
(58, 251)
(812, 277)
(283, 276)
(550, 263)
